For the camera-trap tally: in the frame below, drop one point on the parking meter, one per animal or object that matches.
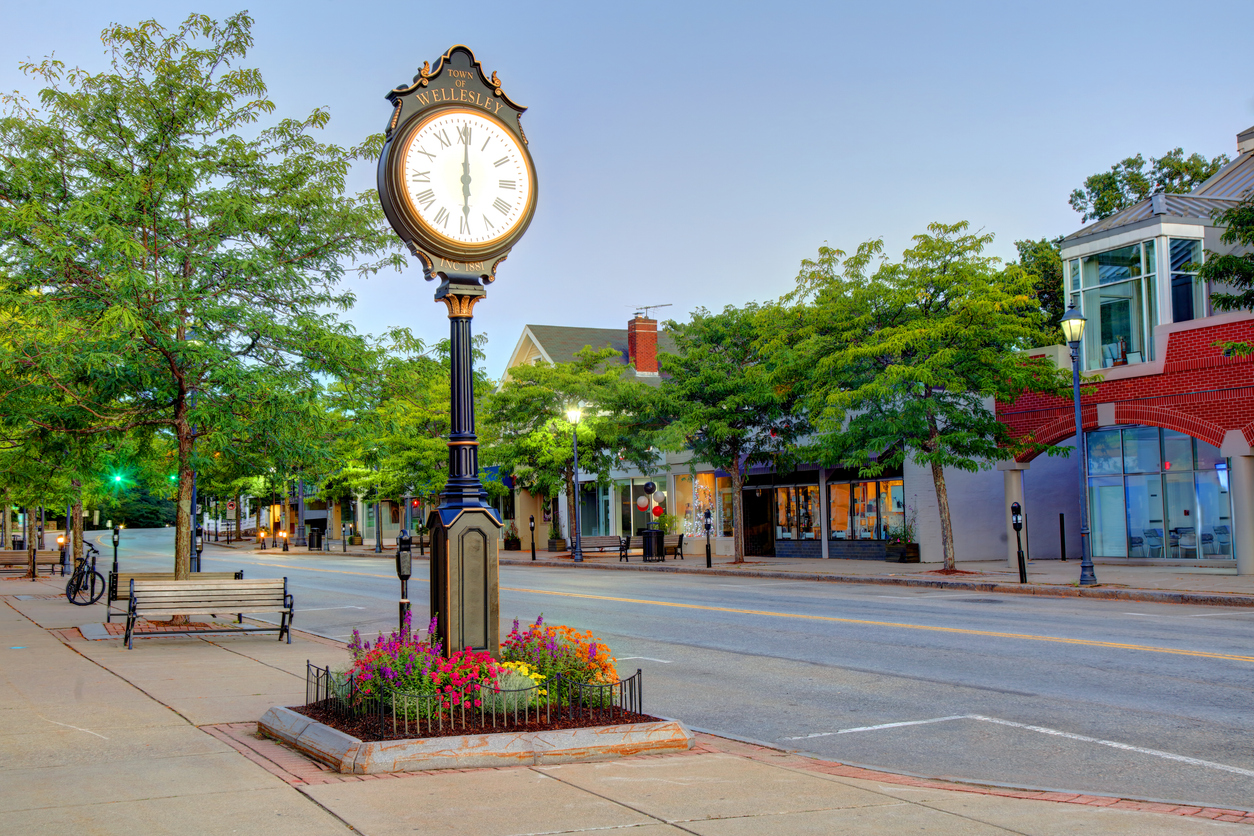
(533, 536)
(404, 569)
(709, 527)
(117, 538)
(200, 545)
(1016, 521)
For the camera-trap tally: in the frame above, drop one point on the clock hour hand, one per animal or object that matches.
(466, 181)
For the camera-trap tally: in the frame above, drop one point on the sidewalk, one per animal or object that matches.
(162, 739)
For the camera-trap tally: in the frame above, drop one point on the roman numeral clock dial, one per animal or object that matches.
(466, 177)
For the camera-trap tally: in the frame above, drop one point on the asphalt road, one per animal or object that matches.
(1140, 700)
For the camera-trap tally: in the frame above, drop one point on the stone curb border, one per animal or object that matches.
(1207, 599)
(350, 755)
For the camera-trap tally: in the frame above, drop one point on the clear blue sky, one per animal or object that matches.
(695, 153)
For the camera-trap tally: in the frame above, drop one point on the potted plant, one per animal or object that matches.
(557, 543)
(513, 542)
(900, 546)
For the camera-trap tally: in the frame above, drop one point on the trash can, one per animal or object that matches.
(651, 539)
(19, 543)
(315, 539)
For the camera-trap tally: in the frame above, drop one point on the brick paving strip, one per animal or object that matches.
(298, 770)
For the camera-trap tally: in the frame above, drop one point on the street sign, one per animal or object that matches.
(230, 505)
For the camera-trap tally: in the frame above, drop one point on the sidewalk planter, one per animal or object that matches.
(354, 540)
(350, 755)
(513, 545)
(901, 552)
(557, 545)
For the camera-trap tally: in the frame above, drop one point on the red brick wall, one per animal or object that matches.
(642, 344)
(1200, 392)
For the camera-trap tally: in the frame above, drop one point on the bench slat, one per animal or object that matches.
(207, 611)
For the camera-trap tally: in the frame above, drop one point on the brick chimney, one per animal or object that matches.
(642, 345)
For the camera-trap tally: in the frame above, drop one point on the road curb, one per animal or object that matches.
(1156, 596)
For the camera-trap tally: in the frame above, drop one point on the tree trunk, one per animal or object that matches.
(942, 505)
(738, 511)
(571, 498)
(183, 508)
(74, 539)
(239, 519)
(8, 520)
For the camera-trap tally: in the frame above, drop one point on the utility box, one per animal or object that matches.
(465, 585)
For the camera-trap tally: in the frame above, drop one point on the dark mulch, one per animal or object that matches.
(367, 728)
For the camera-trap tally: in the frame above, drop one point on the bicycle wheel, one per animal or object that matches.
(72, 585)
(89, 590)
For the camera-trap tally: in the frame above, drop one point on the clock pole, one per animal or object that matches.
(416, 199)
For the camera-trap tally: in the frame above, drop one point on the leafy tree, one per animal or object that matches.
(904, 359)
(1042, 261)
(718, 399)
(1234, 270)
(178, 264)
(526, 430)
(1128, 182)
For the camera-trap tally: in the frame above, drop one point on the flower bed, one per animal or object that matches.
(399, 687)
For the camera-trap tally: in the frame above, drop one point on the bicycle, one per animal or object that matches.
(86, 585)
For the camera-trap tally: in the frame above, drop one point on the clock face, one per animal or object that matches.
(466, 178)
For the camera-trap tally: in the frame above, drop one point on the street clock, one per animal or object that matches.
(456, 180)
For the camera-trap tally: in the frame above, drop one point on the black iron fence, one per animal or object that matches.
(398, 714)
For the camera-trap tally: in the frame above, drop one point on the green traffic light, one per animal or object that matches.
(117, 478)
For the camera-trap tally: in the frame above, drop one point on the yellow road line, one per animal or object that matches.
(992, 634)
(1056, 639)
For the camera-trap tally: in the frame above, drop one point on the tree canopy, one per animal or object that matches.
(1235, 271)
(176, 262)
(1127, 182)
(904, 359)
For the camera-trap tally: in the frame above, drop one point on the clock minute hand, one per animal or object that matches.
(466, 181)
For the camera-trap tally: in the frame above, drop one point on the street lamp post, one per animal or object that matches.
(532, 523)
(574, 414)
(1073, 329)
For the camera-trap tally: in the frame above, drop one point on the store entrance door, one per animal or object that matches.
(759, 522)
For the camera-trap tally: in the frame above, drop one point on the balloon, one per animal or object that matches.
(650, 487)
(642, 502)
(659, 497)
(658, 510)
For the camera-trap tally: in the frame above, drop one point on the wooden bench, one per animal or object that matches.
(230, 596)
(610, 543)
(122, 582)
(21, 558)
(673, 544)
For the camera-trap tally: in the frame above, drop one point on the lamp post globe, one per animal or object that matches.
(1072, 325)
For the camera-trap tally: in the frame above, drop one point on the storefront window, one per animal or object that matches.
(1188, 300)
(631, 516)
(594, 510)
(1157, 494)
(838, 511)
(694, 495)
(865, 518)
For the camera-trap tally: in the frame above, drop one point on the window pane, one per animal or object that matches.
(838, 511)
(1145, 516)
(1177, 451)
(1150, 260)
(1109, 529)
(1112, 266)
(808, 522)
(1105, 452)
(1075, 273)
(1185, 255)
(1140, 450)
(864, 516)
(1207, 455)
(1214, 522)
(1182, 515)
(892, 507)
(785, 514)
(684, 502)
(1117, 313)
(725, 515)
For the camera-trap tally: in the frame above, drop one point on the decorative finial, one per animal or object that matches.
(425, 72)
(496, 82)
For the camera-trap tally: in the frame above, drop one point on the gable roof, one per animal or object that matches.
(560, 344)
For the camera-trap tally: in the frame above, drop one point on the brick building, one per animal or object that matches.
(1169, 423)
